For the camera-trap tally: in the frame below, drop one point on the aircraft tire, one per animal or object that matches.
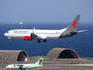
(7, 69)
(45, 40)
(38, 41)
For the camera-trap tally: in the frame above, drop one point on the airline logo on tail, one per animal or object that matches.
(74, 24)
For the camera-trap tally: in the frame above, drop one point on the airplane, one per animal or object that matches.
(30, 34)
(25, 66)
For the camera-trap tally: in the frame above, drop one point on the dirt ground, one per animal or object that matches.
(49, 61)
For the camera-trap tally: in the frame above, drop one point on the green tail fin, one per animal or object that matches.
(39, 62)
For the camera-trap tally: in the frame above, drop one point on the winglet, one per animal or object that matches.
(33, 30)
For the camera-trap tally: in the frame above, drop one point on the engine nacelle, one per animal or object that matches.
(27, 38)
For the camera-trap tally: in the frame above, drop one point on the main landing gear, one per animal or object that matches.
(40, 41)
(44, 40)
(22, 69)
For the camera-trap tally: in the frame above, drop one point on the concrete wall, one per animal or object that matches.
(62, 53)
(13, 55)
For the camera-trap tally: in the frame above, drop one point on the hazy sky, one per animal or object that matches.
(45, 10)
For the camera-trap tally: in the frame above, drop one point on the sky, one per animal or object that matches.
(41, 11)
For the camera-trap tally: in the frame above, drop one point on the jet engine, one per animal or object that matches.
(27, 38)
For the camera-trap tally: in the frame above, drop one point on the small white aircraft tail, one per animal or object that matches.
(39, 62)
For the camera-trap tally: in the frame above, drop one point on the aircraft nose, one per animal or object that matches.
(5, 34)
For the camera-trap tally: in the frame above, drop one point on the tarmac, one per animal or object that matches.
(55, 64)
(61, 67)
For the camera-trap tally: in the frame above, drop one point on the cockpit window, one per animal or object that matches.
(8, 32)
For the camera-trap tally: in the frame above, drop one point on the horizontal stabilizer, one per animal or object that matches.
(82, 31)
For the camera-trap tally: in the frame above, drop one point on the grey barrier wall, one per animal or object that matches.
(13, 55)
(62, 53)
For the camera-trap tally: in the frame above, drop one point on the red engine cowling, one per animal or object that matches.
(27, 38)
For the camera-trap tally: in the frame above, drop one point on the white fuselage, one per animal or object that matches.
(20, 33)
(19, 66)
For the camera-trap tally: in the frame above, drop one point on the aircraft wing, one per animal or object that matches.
(36, 36)
(41, 37)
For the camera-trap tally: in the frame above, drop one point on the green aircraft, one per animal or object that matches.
(24, 66)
